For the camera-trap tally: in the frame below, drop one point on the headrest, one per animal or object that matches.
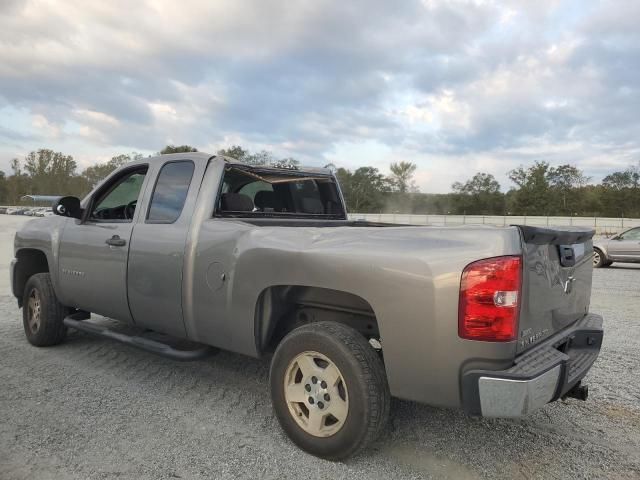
(312, 205)
(266, 199)
(236, 202)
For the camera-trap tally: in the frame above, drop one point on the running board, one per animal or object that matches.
(159, 348)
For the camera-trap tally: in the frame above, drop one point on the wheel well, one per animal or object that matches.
(30, 262)
(601, 252)
(282, 308)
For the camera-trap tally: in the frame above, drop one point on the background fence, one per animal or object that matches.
(602, 225)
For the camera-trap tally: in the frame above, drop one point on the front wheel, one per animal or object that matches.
(42, 314)
(599, 259)
(329, 390)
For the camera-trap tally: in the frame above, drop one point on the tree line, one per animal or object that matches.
(539, 189)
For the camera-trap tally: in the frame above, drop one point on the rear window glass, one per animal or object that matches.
(170, 192)
(273, 193)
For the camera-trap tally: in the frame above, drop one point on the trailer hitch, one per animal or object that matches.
(578, 391)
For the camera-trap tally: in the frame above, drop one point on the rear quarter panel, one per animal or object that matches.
(409, 275)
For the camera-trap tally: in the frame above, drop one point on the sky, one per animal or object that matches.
(456, 86)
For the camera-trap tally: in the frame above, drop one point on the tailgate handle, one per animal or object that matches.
(567, 255)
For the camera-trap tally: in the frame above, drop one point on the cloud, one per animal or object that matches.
(482, 83)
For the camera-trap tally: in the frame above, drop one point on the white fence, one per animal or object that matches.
(602, 225)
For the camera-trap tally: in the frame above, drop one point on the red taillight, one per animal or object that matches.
(489, 299)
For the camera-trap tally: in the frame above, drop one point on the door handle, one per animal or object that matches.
(116, 241)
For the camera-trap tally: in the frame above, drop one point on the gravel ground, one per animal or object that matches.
(92, 408)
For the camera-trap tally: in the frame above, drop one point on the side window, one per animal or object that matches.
(170, 192)
(633, 234)
(118, 202)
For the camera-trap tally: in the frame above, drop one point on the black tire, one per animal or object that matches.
(364, 378)
(599, 259)
(48, 329)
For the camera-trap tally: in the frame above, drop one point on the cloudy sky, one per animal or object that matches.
(455, 86)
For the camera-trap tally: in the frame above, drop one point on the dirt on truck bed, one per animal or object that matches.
(92, 408)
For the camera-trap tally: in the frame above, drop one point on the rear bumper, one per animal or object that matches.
(539, 376)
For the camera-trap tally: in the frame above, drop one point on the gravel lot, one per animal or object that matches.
(92, 408)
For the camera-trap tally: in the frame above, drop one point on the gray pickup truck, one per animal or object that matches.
(199, 253)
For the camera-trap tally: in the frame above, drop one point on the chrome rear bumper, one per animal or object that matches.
(539, 376)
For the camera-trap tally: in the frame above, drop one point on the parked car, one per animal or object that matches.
(12, 211)
(40, 211)
(259, 260)
(3, 209)
(624, 247)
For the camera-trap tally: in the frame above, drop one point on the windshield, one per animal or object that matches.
(254, 192)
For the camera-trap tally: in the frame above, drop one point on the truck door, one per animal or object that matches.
(626, 246)
(156, 255)
(93, 252)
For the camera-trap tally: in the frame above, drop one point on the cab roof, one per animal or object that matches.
(205, 157)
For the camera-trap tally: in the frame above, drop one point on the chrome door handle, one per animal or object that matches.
(116, 241)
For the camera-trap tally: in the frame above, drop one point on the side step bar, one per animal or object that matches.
(75, 321)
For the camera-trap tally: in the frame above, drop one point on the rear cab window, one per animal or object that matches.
(170, 192)
(256, 192)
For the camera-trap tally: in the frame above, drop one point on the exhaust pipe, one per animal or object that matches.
(580, 392)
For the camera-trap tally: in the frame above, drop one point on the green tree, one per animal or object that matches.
(630, 178)
(402, 176)
(620, 193)
(3, 188)
(364, 189)
(591, 198)
(95, 173)
(177, 149)
(567, 182)
(236, 151)
(17, 183)
(49, 172)
(533, 195)
(478, 196)
(259, 158)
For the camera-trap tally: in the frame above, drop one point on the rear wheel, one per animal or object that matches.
(42, 314)
(329, 390)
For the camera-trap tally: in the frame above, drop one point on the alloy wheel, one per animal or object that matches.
(316, 394)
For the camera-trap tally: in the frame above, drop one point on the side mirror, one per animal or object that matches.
(68, 207)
